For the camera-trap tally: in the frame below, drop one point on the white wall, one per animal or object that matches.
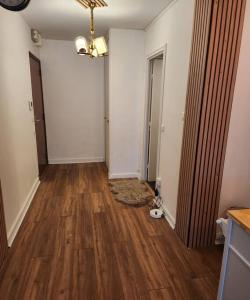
(174, 28)
(236, 178)
(18, 156)
(126, 98)
(74, 103)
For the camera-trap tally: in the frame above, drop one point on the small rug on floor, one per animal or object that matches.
(131, 192)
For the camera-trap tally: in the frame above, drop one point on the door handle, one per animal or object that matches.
(38, 120)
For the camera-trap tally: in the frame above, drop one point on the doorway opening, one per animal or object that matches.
(154, 116)
(39, 115)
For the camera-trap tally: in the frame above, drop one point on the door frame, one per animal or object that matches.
(4, 247)
(148, 99)
(106, 112)
(32, 56)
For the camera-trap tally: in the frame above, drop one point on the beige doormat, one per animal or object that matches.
(131, 191)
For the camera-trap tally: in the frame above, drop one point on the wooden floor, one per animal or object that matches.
(76, 242)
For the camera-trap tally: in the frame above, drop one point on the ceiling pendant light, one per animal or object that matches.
(96, 47)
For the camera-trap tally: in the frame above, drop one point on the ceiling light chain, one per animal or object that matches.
(92, 26)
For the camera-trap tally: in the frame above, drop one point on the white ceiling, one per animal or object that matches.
(65, 19)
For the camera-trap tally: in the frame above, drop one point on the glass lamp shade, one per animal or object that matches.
(100, 45)
(82, 46)
(94, 53)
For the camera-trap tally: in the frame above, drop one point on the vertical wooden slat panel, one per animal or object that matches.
(226, 118)
(3, 235)
(202, 222)
(190, 97)
(221, 103)
(195, 115)
(198, 60)
(208, 112)
(217, 116)
(207, 117)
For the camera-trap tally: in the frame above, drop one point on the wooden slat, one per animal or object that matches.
(3, 235)
(207, 118)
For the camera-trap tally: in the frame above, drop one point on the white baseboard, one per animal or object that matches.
(19, 219)
(123, 175)
(170, 219)
(80, 160)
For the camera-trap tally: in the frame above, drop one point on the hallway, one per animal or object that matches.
(76, 242)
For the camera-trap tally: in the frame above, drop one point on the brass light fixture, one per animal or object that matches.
(96, 47)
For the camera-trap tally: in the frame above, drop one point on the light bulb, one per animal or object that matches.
(100, 45)
(82, 46)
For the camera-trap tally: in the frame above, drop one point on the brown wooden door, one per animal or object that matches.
(3, 234)
(37, 91)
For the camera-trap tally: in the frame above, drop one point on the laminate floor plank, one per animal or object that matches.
(134, 279)
(85, 282)
(109, 281)
(164, 294)
(37, 279)
(77, 242)
(84, 237)
(128, 268)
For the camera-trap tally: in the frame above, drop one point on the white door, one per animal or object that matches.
(106, 118)
(154, 121)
